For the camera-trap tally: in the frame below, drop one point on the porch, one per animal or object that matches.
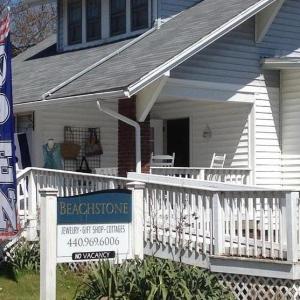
(227, 228)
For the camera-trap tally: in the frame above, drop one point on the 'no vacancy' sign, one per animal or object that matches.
(94, 226)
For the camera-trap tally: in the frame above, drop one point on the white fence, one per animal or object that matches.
(31, 180)
(201, 217)
(227, 175)
(221, 219)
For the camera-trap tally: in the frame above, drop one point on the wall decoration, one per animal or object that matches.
(89, 141)
(52, 155)
(207, 134)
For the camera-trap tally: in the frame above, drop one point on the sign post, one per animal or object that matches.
(48, 244)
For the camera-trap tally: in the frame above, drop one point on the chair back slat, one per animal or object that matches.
(218, 161)
(162, 160)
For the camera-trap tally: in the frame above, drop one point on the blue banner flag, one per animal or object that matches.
(8, 213)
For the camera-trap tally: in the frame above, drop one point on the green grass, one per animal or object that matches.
(27, 286)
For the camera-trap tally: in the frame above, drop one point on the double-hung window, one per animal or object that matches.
(117, 17)
(93, 20)
(139, 14)
(74, 22)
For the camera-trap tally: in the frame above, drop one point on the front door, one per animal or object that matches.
(178, 141)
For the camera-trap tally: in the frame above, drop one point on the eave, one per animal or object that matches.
(281, 63)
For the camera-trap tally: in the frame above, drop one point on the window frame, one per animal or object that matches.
(132, 29)
(97, 20)
(105, 26)
(124, 31)
(79, 41)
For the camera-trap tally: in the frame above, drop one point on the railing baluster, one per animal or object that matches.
(247, 225)
(232, 224)
(239, 200)
(263, 233)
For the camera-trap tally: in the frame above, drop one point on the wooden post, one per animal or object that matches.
(137, 217)
(218, 225)
(291, 226)
(32, 209)
(48, 244)
(201, 175)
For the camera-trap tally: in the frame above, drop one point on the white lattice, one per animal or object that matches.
(260, 288)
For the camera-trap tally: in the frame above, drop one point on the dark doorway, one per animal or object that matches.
(178, 141)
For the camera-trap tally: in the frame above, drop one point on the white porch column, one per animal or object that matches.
(252, 143)
(291, 226)
(137, 189)
(218, 225)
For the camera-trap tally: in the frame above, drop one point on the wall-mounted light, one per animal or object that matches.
(207, 133)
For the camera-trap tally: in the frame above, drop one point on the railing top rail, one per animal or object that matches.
(63, 172)
(212, 186)
(201, 168)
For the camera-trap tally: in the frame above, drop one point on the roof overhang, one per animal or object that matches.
(198, 46)
(281, 63)
(108, 95)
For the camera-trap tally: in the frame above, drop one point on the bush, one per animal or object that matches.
(150, 279)
(25, 256)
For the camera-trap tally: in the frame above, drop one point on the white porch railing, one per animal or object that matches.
(200, 218)
(228, 175)
(31, 180)
(221, 219)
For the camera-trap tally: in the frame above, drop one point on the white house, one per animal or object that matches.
(230, 68)
(198, 77)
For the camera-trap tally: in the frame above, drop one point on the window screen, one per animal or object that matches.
(117, 17)
(74, 22)
(139, 14)
(93, 20)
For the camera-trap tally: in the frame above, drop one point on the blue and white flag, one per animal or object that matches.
(8, 213)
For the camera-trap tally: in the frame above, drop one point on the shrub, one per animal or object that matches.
(25, 256)
(150, 279)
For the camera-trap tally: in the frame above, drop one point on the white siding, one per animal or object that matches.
(234, 61)
(227, 121)
(50, 122)
(283, 38)
(290, 114)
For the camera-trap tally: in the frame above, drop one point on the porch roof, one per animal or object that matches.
(41, 68)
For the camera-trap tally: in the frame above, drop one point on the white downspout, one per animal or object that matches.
(137, 132)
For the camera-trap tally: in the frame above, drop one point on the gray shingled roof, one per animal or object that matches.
(34, 76)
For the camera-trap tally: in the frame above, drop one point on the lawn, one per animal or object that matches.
(28, 284)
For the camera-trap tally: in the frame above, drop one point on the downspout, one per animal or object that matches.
(132, 123)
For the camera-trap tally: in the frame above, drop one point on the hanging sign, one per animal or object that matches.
(94, 226)
(8, 215)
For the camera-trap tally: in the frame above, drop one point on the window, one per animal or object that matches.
(117, 17)
(74, 22)
(93, 20)
(139, 14)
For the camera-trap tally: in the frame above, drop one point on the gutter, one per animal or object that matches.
(196, 47)
(18, 107)
(132, 123)
(96, 64)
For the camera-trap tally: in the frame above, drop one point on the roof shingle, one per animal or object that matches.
(34, 76)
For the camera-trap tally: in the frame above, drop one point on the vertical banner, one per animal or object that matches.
(8, 214)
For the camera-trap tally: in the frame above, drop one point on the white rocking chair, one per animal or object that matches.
(218, 161)
(162, 160)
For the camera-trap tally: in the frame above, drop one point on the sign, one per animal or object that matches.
(94, 226)
(8, 214)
